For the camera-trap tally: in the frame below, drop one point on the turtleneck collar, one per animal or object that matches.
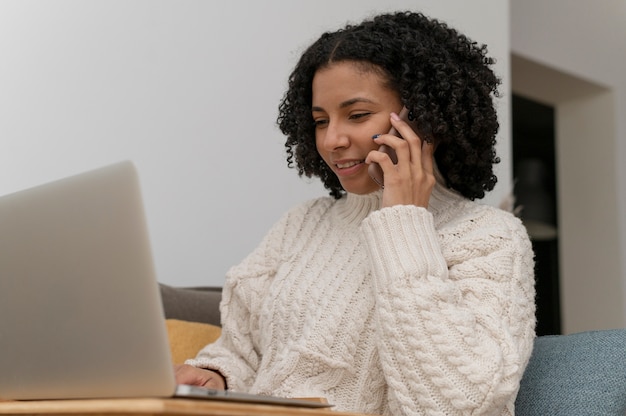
(354, 207)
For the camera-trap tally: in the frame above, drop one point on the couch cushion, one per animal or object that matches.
(192, 304)
(578, 374)
(187, 338)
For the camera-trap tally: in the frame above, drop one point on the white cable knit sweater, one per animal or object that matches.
(396, 311)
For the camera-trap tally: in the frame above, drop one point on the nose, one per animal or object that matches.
(335, 137)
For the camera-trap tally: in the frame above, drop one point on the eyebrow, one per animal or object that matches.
(347, 103)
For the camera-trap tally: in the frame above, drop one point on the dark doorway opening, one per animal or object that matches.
(534, 171)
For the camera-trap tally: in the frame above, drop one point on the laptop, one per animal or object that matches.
(80, 308)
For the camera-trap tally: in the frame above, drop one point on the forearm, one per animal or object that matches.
(454, 339)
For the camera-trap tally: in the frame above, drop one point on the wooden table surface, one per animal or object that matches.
(157, 407)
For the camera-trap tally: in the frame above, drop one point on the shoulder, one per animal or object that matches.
(482, 240)
(289, 226)
(454, 213)
(295, 224)
(489, 214)
(482, 223)
(322, 202)
(309, 209)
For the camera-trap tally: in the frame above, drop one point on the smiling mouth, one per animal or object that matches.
(349, 164)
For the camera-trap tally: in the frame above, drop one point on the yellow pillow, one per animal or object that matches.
(187, 338)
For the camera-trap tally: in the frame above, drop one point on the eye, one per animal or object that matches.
(358, 116)
(320, 122)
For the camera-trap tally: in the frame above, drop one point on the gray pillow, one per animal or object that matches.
(581, 374)
(201, 304)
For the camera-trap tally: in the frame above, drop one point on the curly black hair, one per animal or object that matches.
(443, 77)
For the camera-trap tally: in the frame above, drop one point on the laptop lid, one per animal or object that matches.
(80, 310)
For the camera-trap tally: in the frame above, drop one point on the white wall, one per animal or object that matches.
(188, 90)
(581, 45)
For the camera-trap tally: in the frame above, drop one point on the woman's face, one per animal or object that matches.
(350, 105)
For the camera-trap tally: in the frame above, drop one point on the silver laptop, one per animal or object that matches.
(80, 309)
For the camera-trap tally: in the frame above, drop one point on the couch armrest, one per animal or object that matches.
(199, 304)
(576, 374)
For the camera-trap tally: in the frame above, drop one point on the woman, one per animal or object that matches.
(407, 299)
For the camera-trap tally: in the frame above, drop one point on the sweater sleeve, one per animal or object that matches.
(236, 353)
(455, 309)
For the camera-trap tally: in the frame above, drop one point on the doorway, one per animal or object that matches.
(534, 173)
(589, 264)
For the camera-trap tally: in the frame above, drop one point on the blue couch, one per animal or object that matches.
(581, 374)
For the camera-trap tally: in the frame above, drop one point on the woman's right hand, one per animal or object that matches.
(412, 179)
(187, 374)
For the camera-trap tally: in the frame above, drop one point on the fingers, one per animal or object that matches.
(408, 150)
(411, 179)
(186, 374)
(216, 381)
(415, 143)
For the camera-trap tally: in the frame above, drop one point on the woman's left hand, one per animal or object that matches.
(411, 180)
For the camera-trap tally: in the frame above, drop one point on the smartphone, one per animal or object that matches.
(374, 169)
